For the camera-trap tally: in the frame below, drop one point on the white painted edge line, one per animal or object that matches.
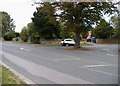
(98, 65)
(101, 72)
(22, 77)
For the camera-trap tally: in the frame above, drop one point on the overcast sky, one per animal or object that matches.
(20, 10)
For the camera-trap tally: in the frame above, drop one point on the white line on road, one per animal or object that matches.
(101, 72)
(25, 49)
(104, 49)
(110, 55)
(98, 65)
(66, 59)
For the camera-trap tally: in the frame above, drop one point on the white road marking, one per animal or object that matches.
(98, 65)
(104, 49)
(25, 49)
(66, 59)
(21, 48)
(110, 55)
(85, 51)
(101, 71)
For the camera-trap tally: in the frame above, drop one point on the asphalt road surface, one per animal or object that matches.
(56, 65)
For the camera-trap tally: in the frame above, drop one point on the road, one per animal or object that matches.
(56, 65)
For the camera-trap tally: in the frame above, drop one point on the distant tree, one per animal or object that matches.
(7, 23)
(45, 21)
(103, 30)
(24, 34)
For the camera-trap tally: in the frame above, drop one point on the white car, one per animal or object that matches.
(67, 42)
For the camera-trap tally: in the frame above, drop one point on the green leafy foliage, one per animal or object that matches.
(9, 35)
(7, 23)
(45, 21)
(115, 21)
(78, 17)
(17, 34)
(34, 36)
(24, 35)
(7, 77)
(103, 30)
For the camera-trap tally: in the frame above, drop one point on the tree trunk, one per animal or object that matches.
(77, 40)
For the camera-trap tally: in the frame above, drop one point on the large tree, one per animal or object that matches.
(79, 16)
(45, 21)
(7, 23)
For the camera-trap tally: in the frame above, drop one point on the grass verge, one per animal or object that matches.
(85, 44)
(50, 44)
(7, 77)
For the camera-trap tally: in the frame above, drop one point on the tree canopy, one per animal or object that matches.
(79, 16)
(45, 21)
(75, 17)
(7, 23)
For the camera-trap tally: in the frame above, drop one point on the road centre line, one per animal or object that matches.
(104, 49)
(25, 49)
(109, 54)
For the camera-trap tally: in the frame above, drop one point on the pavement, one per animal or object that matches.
(56, 65)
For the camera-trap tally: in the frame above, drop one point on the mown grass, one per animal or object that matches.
(51, 44)
(7, 77)
(85, 44)
(58, 44)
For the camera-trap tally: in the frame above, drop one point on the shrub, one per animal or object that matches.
(35, 38)
(9, 35)
(24, 34)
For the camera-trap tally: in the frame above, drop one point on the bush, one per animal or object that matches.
(35, 38)
(9, 35)
(24, 35)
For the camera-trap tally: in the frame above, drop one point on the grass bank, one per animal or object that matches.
(7, 77)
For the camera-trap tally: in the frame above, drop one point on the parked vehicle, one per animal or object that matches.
(68, 42)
